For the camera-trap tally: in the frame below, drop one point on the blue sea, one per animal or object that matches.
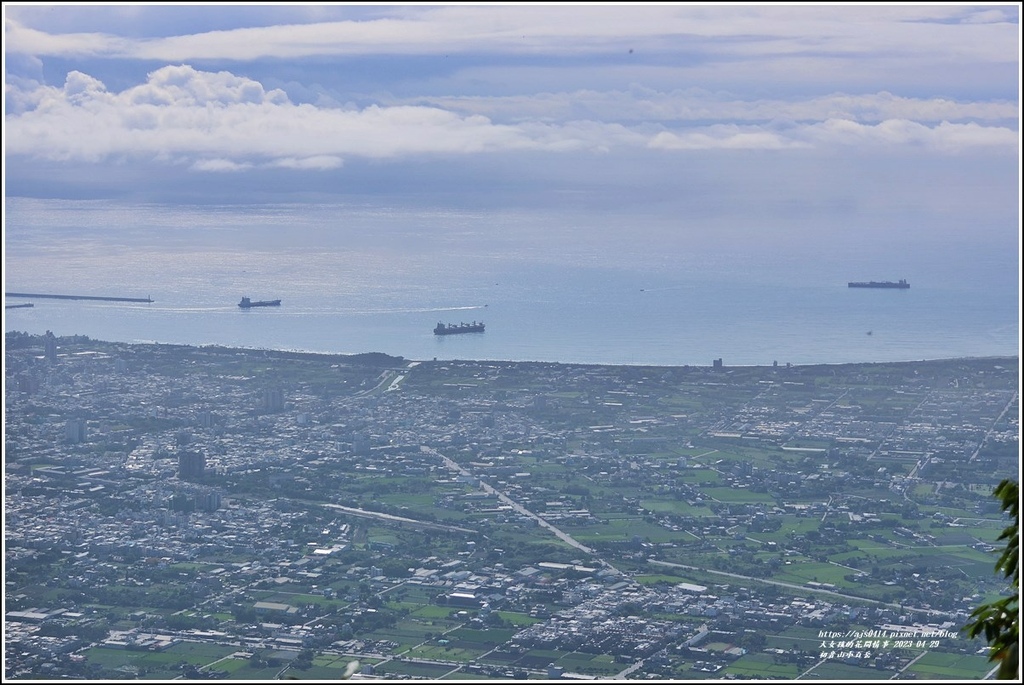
(557, 286)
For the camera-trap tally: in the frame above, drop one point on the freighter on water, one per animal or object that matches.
(451, 329)
(901, 284)
(246, 303)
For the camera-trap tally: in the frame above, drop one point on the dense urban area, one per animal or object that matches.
(203, 512)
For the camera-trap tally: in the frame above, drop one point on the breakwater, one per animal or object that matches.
(80, 297)
(18, 306)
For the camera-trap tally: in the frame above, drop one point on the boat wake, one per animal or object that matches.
(187, 310)
(220, 309)
(412, 310)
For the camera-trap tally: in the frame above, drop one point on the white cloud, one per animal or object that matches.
(25, 40)
(183, 85)
(701, 105)
(219, 165)
(180, 111)
(79, 88)
(722, 138)
(887, 135)
(989, 16)
(218, 121)
(945, 137)
(316, 162)
(564, 29)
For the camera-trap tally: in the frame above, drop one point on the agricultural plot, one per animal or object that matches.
(450, 652)
(762, 666)
(163, 665)
(940, 666)
(736, 495)
(414, 669)
(597, 665)
(840, 671)
(675, 507)
(803, 572)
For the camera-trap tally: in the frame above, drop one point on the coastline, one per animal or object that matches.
(406, 361)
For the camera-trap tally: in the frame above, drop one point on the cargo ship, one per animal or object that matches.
(900, 284)
(452, 329)
(246, 303)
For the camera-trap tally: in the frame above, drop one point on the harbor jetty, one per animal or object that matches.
(80, 297)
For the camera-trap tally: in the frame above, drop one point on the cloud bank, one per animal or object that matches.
(552, 29)
(218, 121)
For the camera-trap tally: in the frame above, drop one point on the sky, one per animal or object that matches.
(779, 123)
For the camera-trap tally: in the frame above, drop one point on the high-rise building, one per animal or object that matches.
(191, 465)
(273, 400)
(181, 502)
(74, 431)
(360, 443)
(28, 384)
(50, 347)
(207, 501)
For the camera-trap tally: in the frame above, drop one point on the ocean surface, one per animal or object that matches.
(550, 286)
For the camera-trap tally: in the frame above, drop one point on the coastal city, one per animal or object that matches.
(202, 512)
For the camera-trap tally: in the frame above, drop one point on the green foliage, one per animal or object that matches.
(999, 620)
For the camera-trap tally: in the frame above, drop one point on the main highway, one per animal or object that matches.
(519, 508)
